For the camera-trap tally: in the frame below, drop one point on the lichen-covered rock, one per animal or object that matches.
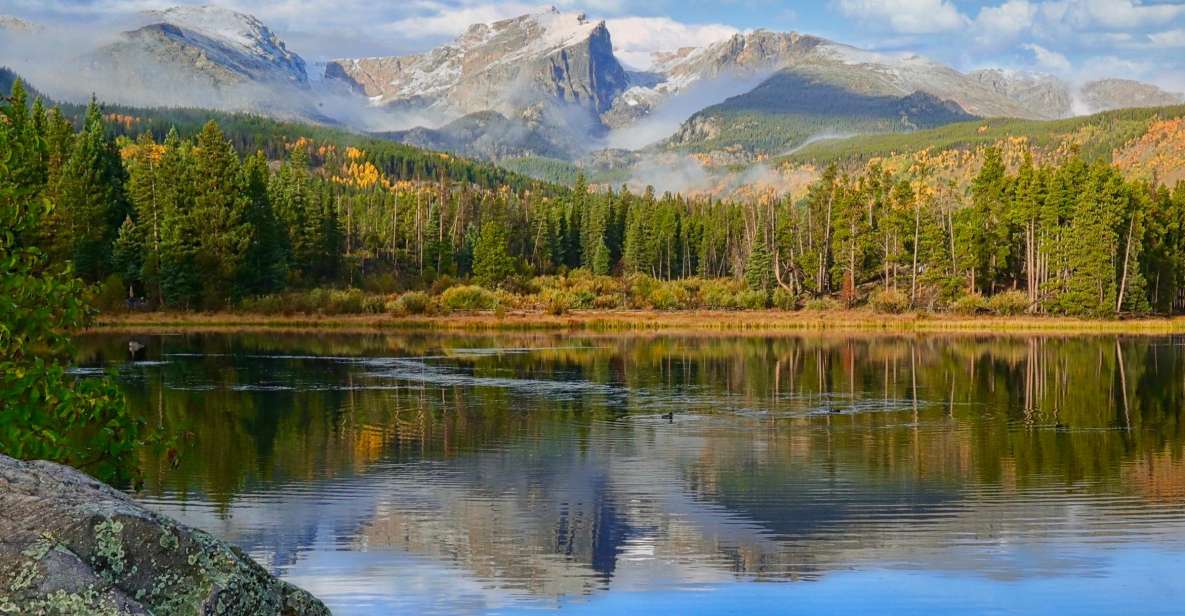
(72, 545)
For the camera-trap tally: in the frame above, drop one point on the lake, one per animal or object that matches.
(437, 473)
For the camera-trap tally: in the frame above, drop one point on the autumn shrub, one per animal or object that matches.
(1008, 303)
(584, 289)
(442, 284)
(557, 301)
(969, 305)
(374, 304)
(412, 302)
(668, 296)
(508, 300)
(468, 297)
(889, 301)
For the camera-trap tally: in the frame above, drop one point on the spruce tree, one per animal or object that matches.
(492, 262)
(91, 197)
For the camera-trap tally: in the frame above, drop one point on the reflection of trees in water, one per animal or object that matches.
(789, 454)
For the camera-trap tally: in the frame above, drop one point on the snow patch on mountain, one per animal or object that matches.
(237, 33)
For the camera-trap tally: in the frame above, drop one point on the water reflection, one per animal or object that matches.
(462, 474)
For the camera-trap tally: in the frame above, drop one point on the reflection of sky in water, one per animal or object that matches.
(792, 501)
(1138, 575)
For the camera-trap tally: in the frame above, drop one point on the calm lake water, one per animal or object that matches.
(526, 473)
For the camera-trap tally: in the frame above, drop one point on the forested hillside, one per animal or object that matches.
(233, 212)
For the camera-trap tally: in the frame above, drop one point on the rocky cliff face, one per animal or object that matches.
(507, 66)
(207, 44)
(1110, 94)
(72, 545)
(1050, 98)
(1045, 96)
(200, 56)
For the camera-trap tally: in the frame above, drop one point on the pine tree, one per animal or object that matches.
(91, 197)
(148, 203)
(264, 266)
(127, 254)
(180, 281)
(221, 206)
(601, 261)
(759, 267)
(492, 263)
(985, 235)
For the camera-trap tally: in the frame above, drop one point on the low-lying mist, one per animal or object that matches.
(666, 117)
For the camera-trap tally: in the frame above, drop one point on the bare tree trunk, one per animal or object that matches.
(913, 282)
(1127, 251)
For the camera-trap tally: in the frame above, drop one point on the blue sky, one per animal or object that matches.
(1076, 39)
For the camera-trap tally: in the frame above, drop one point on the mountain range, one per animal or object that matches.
(550, 85)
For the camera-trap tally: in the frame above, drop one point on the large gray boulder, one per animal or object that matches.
(72, 545)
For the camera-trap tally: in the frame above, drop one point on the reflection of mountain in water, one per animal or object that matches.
(546, 472)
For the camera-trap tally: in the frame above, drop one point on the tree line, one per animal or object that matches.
(206, 220)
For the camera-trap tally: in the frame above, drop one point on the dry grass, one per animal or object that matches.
(645, 320)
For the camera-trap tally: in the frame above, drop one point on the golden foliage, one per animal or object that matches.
(154, 152)
(1157, 154)
(126, 121)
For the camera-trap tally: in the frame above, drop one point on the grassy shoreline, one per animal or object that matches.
(626, 321)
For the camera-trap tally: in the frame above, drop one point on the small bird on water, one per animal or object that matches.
(669, 416)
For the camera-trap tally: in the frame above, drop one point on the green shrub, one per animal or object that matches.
(317, 301)
(785, 300)
(350, 301)
(265, 304)
(111, 295)
(755, 299)
(970, 304)
(821, 304)
(639, 289)
(412, 302)
(1009, 303)
(468, 297)
(890, 301)
(381, 283)
(719, 294)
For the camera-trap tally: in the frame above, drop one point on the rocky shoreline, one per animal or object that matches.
(72, 545)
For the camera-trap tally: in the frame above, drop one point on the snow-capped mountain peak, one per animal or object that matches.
(236, 32)
(505, 65)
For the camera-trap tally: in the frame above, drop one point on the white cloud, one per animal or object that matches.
(1006, 20)
(635, 39)
(1054, 19)
(1049, 60)
(1110, 14)
(1168, 38)
(906, 16)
